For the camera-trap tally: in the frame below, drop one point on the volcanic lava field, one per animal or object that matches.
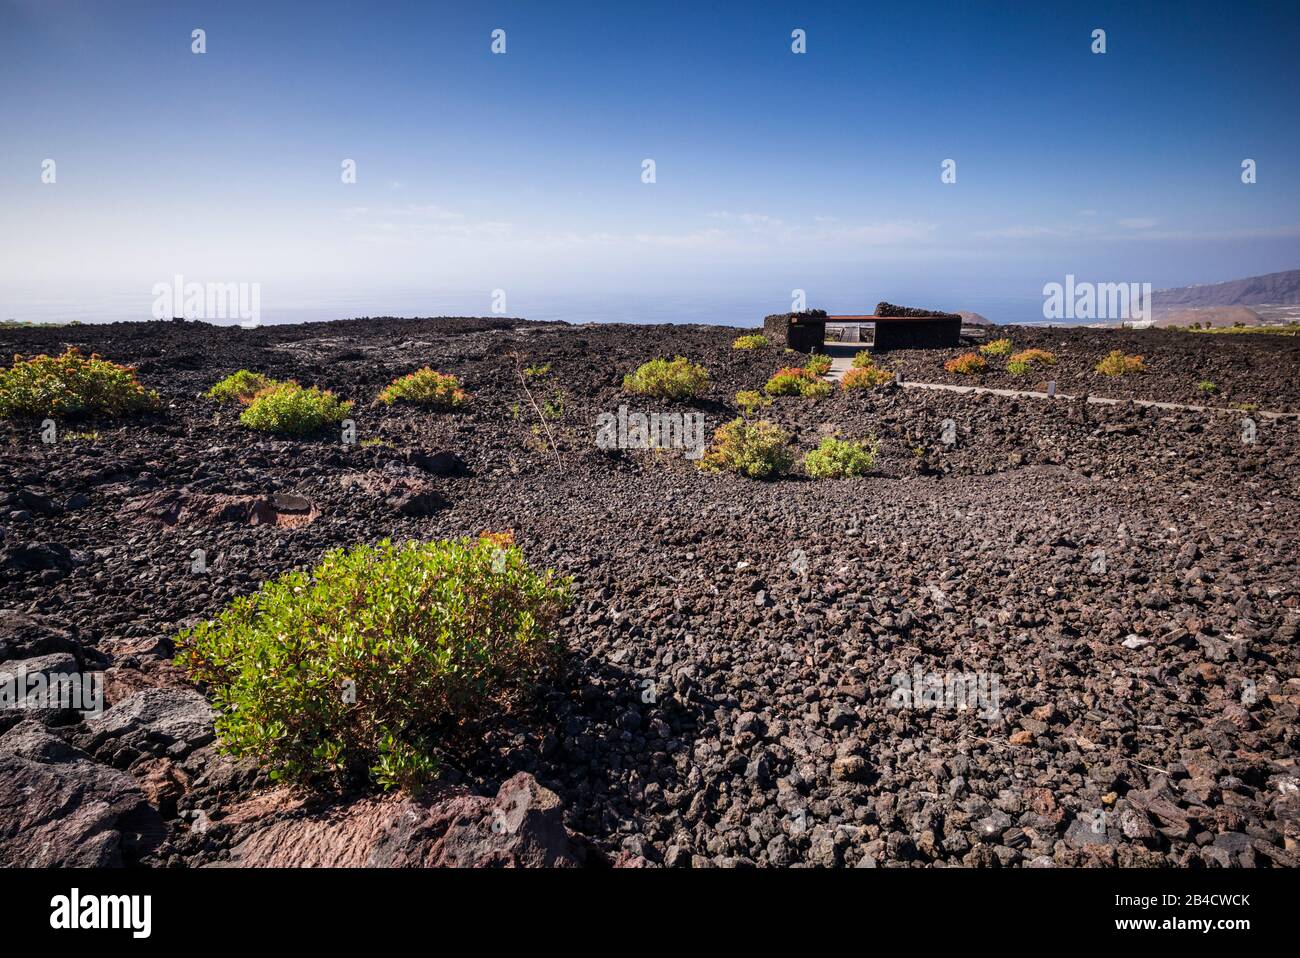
(1128, 574)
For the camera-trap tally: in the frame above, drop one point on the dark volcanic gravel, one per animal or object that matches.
(1126, 576)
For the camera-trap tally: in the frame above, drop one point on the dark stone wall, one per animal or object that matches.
(804, 331)
(918, 333)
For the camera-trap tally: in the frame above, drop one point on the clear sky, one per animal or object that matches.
(523, 171)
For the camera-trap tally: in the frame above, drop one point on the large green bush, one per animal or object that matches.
(758, 450)
(72, 384)
(674, 379)
(360, 667)
(291, 410)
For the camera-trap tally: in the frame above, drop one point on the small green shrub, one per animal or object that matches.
(755, 341)
(1018, 367)
(866, 378)
(795, 381)
(1117, 363)
(289, 409)
(862, 360)
(1034, 357)
(998, 347)
(818, 364)
(356, 668)
(426, 387)
(1207, 387)
(967, 364)
(750, 401)
(240, 387)
(72, 385)
(536, 372)
(758, 450)
(674, 379)
(840, 459)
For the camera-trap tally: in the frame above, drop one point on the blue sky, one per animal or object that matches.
(523, 171)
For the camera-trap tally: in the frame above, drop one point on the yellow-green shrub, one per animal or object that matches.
(754, 341)
(750, 401)
(426, 387)
(967, 364)
(289, 409)
(818, 364)
(998, 347)
(674, 379)
(840, 459)
(795, 381)
(759, 450)
(240, 387)
(72, 385)
(1117, 363)
(866, 378)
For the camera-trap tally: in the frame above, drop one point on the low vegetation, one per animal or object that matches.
(292, 410)
(240, 387)
(840, 459)
(72, 384)
(866, 378)
(1287, 329)
(796, 381)
(1117, 363)
(998, 347)
(759, 450)
(358, 668)
(426, 387)
(862, 359)
(967, 364)
(1207, 387)
(750, 401)
(1027, 360)
(754, 341)
(674, 379)
(818, 364)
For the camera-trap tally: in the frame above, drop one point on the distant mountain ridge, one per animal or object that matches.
(1277, 289)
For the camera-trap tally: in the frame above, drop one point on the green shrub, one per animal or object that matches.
(998, 347)
(750, 401)
(1118, 364)
(794, 381)
(967, 364)
(1018, 367)
(758, 450)
(664, 379)
(290, 409)
(839, 459)
(1207, 387)
(426, 387)
(1034, 357)
(866, 378)
(755, 341)
(355, 668)
(71, 385)
(862, 360)
(818, 364)
(240, 387)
